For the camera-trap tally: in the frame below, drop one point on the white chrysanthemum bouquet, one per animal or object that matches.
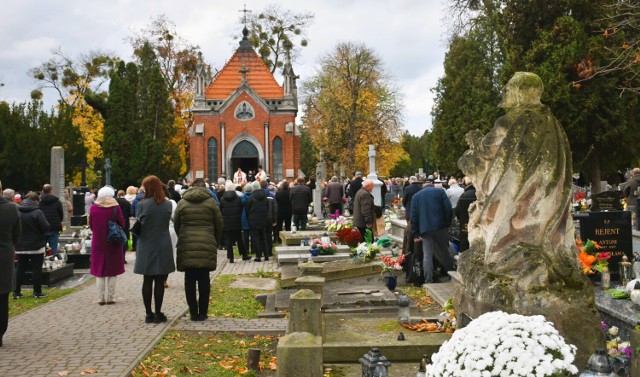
(505, 345)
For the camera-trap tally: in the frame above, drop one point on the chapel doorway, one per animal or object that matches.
(245, 156)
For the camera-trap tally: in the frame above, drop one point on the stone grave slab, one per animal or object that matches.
(293, 258)
(255, 283)
(290, 239)
(349, 336)
(305, 249)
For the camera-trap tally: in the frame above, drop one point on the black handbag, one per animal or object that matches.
(115, 233)
(136, 228)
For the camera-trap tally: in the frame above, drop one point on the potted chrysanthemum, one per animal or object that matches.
(505, 345)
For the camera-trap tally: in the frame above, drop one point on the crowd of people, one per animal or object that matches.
(181, 226)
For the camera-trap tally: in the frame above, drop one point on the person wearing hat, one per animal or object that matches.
(107, 259)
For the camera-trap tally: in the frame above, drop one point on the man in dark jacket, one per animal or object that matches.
(630, 189)
(284, 210)
(300, 197)
(231, 207)
(334, 193)
(431, 215)
(30, 249)
(51, 206)
(354, 187)
(173, 194)
(198, 224)
(257, 211)
(462, 212)
(363, 208)
(10, 231)
(410, 190)
(272, 217)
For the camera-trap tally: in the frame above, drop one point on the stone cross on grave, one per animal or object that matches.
(321, 176)
(377, 192)
(107, 171)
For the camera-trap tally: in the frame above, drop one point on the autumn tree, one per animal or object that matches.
(75, 81)
(274, 31)
(71, 78)
(351, 103)
(416, 156)
(177, 59)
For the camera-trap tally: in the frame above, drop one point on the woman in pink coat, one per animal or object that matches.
(107, 260)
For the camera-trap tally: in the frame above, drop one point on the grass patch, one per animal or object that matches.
(26, 303)
(235, 302)
(421, 299)
(219, 355)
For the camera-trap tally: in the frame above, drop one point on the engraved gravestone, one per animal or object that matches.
(57, 176)
(612, 231)
(606, 201)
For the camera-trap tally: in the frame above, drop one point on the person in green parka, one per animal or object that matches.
(198, 224)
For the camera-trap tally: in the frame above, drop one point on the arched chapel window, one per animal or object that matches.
(212, 159)
(276, 157)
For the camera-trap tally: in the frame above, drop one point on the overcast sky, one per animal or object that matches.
(408, 35)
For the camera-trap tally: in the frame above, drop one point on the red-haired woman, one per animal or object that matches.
(154, 257)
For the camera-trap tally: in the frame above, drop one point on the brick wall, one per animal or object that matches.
(255, 127)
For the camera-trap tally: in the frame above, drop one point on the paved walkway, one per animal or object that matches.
(75, 334)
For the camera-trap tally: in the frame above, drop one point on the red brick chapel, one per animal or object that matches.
(244, 118)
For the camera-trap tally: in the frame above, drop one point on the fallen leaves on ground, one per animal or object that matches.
(424, 326)
(88, 371)
(63, 373)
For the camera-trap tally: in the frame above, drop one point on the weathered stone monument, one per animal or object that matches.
(56, 176)
(522, 257)
(107, 172)
(373, 175)
(321, 176)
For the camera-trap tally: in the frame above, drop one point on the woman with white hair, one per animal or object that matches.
(107, 259)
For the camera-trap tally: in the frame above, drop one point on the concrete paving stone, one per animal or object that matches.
(84, 335)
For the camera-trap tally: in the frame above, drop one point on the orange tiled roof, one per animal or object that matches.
(259, 77)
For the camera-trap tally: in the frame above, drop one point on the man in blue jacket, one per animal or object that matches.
(431, 215)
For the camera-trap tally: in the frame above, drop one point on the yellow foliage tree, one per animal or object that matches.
(350, 104)
(91, 125)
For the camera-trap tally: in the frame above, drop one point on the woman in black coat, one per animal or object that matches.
(10, 231)
(231, 207)
(284, 210)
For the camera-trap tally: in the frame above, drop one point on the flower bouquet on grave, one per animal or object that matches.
(366, 252)
(390, 265)
(335, 224)
(591, 258)
(506, 345)
(619, 352)
(325, 248)
(349, 236)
